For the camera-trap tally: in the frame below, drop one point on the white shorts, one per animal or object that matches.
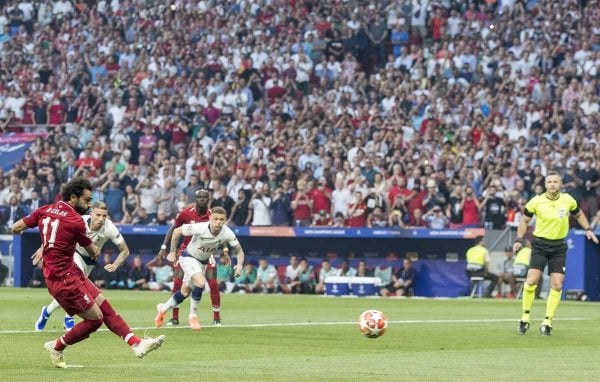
(191, 266)
(81, 264)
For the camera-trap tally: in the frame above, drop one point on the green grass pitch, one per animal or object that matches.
(311, 338)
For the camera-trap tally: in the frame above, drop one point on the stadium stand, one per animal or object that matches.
(364, 104)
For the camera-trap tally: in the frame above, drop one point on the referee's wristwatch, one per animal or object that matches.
(519, 240)
(588, 229)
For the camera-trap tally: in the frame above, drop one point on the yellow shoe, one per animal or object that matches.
(57, 357)
(160, 316)
(194, 323)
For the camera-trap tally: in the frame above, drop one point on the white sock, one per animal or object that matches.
(194, 307)
(52, 307)
(168, 305)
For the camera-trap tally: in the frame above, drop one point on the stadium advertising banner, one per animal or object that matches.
(13, 146)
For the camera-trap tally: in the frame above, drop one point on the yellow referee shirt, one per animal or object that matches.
(552, 216)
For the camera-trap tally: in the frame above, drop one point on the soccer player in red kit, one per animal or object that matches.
(61, 227)
(196, 213)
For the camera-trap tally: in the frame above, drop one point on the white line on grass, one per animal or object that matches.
(291, 324)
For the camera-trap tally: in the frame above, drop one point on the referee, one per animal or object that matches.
(549, 246)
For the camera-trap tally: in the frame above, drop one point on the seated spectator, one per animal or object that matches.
(138, 275)
(362, 270)
(224, 273)
(436, 219)
(403, 281)
(507, 276)
(245, 282)
(326, 271)
(37, 278)
(417, 221)
(267, 279)
(13, 212)
(339, 220)
(478, 261)
(141, 218)
(3, 271)
(377, 219)
(322, 220)
(346, 270)
(521, 266)
(306, 277)
(163, 274)
(105, 279)
(292, 280)
(384, 272)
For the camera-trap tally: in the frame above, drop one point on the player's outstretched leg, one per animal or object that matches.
(194, 302)
(176, 299)
(80, 332)
(215, 299)
(117, 325)
(40, 324)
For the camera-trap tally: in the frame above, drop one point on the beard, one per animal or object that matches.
(81, 210)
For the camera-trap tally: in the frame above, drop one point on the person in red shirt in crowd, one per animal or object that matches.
(323, 219)
(416, 219)
(357, 211)
(196, 213)
(302, 206)
(56, 111)
(321, 196)
(470, 206)
(88, 161)
(61, 228)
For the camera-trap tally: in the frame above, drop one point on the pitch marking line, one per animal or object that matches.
(292, 324)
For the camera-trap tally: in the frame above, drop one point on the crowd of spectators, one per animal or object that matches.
(401, 113)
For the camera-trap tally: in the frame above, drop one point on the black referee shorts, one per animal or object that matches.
(551, 252)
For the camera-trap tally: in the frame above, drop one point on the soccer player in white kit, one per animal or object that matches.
(207, 237)
(100, 229)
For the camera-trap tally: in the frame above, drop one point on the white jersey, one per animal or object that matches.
(204, 244)
(107, 232)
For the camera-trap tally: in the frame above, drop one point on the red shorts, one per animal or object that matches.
(75, 294)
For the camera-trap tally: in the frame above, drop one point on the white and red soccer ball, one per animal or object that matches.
(372, 323)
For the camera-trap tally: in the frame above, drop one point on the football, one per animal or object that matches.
(372, 323)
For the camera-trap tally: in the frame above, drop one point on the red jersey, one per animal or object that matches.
(61, 228)
(189, 215)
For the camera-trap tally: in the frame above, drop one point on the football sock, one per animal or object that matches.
(80, 332)
(117, 325)
(195, 300)
(52, 307)
(551, 305)
(177, 282)
(173, 301)
(528, 298)
(215, 298)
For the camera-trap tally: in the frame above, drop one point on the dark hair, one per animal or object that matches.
(552, 172)
(76, 187)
